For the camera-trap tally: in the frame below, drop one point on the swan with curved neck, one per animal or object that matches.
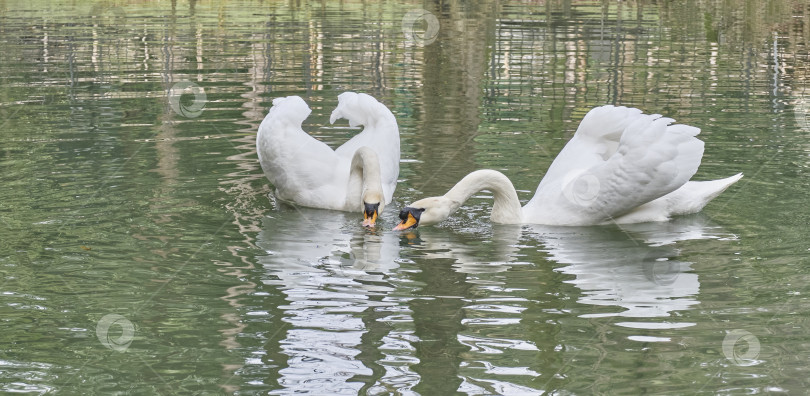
(360, 175)
(365, 185)
(621, 166)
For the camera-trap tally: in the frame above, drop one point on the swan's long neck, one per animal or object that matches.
(506, 208)
(365, 183)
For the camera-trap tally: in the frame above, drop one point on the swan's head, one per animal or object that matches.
(357, 108)
(425, 212)
(373, 204)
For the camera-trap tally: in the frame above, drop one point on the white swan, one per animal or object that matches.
(621, 166)
(360, 175)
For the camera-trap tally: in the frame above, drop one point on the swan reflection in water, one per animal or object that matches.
(486, 250)
(330, 270)
(350, 291)
(635, 267)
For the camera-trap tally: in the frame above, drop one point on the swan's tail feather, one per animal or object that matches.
(695, 195)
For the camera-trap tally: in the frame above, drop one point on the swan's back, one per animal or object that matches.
(617, 160)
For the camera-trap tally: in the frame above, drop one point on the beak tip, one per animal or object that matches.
(406, 224)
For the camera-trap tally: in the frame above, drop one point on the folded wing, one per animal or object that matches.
(618, 159)
(302, 168)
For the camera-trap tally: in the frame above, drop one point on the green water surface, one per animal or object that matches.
(142, 252)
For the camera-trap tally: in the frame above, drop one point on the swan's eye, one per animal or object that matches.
(415, 212)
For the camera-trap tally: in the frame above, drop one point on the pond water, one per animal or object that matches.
(141, 250)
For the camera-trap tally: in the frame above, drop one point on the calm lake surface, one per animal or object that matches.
(142, 252)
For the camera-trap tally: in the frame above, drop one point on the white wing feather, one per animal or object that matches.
(302, 168)
(618, 160)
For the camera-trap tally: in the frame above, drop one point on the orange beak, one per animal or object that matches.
(407, 223)
(369, 220)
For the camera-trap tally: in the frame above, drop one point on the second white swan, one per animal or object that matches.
(621, 166)
(360, 175)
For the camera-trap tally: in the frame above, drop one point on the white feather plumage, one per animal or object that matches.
(620, 166)
(308, 172)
